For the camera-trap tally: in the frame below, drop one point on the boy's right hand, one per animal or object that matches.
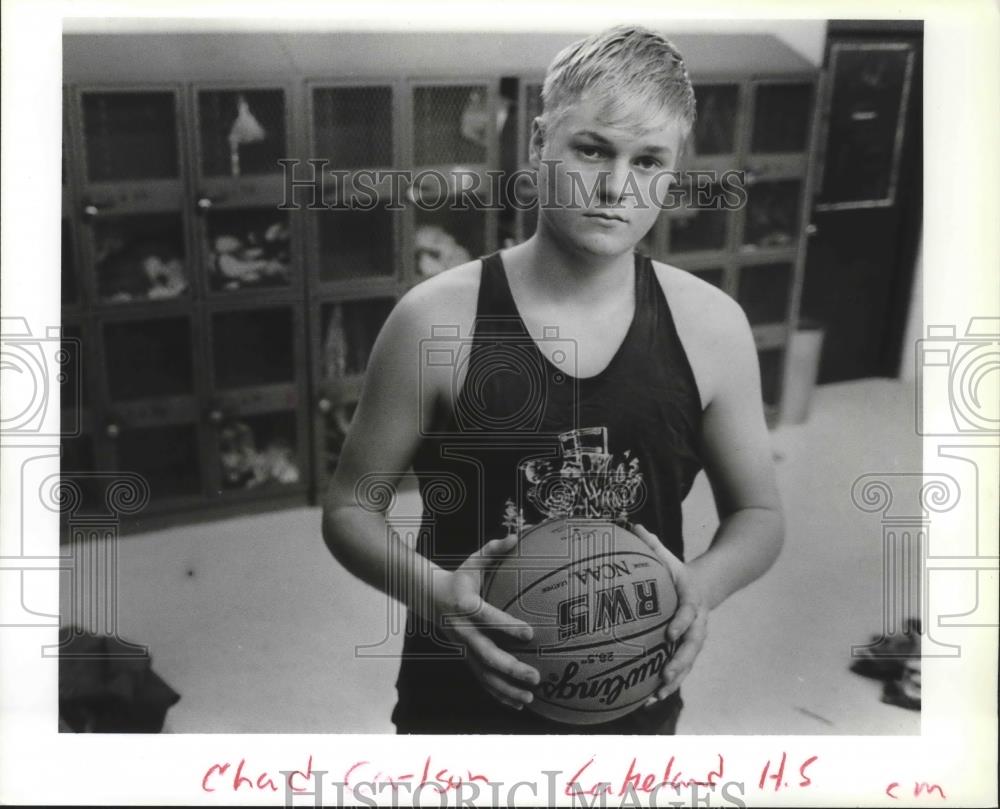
(468, 620)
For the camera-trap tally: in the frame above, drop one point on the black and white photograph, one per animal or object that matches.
(488, 382)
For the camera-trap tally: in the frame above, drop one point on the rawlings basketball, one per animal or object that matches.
(599, 600)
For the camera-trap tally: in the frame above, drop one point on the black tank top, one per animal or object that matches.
(518, 430)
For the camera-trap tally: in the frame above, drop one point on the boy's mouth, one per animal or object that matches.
(606, 215)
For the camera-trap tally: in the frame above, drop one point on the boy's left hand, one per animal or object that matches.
(688, 627)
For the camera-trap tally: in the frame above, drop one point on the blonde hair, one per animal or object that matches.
(617, 65)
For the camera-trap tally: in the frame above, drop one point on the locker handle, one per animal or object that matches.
(205, 202)
(93, 208)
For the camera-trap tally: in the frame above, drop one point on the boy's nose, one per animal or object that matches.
(612, 184)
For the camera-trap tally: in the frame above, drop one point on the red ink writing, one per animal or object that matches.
(441, 780)
(573, 785)
(919, 788)
(778, 776)
(253, 780)
(636, 781)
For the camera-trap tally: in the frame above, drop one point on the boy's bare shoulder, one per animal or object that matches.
(698, 307)
(446, 299)
(712, 326)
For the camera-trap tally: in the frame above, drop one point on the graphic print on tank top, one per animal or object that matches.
(587, 481)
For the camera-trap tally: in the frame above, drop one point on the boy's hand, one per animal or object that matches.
(689, 626)
(472, 623)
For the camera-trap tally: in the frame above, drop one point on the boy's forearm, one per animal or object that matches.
(365, 545)
(742, 550)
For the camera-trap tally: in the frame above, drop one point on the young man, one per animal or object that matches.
(568, 338)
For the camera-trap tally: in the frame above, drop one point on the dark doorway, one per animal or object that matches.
(869, 200)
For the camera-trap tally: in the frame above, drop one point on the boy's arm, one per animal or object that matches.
(736, 453)
(382, 441)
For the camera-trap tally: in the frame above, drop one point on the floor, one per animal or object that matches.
(256, 625)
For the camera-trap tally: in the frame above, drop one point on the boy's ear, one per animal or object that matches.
(536, 142)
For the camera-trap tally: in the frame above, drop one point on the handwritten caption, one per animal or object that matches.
(587, 784)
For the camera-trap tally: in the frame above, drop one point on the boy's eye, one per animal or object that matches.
(648, 163)
(590, 152)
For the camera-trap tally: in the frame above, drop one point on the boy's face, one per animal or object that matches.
(599, 180)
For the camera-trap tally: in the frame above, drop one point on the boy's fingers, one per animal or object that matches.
(490, 617)
(486, 557)
(667, 689)
(684, 656)
(682, 621)
(467, 605)
(498, 688)
(493, 658)
(510, 703)
(692, 641)
(654, 544)
(641, 532)
(498, 547)
(682, 661)
(674, 674)
(473, 609)
(506, 690)
(674, 565)
(668, 686)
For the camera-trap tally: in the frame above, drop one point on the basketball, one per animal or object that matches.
(599, 600)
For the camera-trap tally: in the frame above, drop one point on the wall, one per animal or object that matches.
(207, 53)
(806, 37)
(915, 321)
